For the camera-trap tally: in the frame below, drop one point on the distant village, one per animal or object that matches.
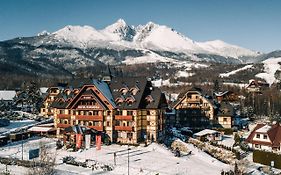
(132, 111)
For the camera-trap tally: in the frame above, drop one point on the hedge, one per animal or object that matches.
(265, 158)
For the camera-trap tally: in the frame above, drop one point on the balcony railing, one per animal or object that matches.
(62, 125)
(98, 128)
(124, 128)
(63, 116)
(123, 117)
(191, 100)
(89, 117)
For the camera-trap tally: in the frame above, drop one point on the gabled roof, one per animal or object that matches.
(118, 83)
(273, 131)
(185, 93)
(225, 109)
(105, 90)
(102, 94)
(144, 90)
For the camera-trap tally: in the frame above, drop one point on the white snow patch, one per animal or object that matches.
(235, 71)
(270, 65)
(184, 74)
(7, 95)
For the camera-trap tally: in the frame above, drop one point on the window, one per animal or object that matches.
(258, 136)
(96, 123)
(118, 112)
(129, 112)
(224, 119)
(129, 135)
(264, 136)
(148, 113)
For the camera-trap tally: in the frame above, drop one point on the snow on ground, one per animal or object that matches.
(7, 95)
(16, 124)
(152, 159)
(240, 85)
(149, 58)
(228, 140)
(149, 160)
(161, 82)
(270, 66)
(184, 74)
(235, 71)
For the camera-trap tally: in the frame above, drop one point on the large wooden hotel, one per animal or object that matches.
(128, 110)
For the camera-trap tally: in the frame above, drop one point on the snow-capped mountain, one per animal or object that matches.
(72, 48)
(150, 36)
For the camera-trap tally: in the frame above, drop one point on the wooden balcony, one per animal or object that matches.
(63, 116)
(122, 117)
(61, 125)
(193, 100)
(98, 128)
(124, 128)
(89, 117)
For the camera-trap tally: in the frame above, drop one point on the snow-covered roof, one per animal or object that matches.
(205, 132)
(41, 129)
(7, 95)
(264, 129)
(43, 90)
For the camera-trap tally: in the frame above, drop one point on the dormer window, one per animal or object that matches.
(130, 100)
(75, 91)
(134, 90)
(124, 90)
(149, 99)
(265, 136)
(119, 100)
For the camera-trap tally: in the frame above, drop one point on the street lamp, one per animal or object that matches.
(129, 137)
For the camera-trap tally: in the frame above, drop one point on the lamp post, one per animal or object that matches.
(21, 144)
(130, 137)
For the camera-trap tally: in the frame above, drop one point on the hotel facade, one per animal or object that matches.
(128, 110)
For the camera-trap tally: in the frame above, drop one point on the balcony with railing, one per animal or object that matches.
(193, 100)
(62, 125)
(89, 117)
(123, 117)
(63, 116)
(98, 128)
(124, 128)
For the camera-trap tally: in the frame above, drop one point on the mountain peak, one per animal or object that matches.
(121, 30)
(118, 25)
(121, 22)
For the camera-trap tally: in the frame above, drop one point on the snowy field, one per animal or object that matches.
(152, 159)
(16, 124)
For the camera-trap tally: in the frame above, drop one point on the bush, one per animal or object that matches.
(265, 158)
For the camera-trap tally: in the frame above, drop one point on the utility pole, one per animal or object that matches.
(128, 160)
(130, 137)
(22, 145)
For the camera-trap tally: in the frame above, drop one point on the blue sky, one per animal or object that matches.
(254, 24)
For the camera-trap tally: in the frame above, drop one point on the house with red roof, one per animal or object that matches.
(266, 137)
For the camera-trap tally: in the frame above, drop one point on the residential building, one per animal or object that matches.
(256, 86)
(194, 110)
(265, 137)
(225, 115)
